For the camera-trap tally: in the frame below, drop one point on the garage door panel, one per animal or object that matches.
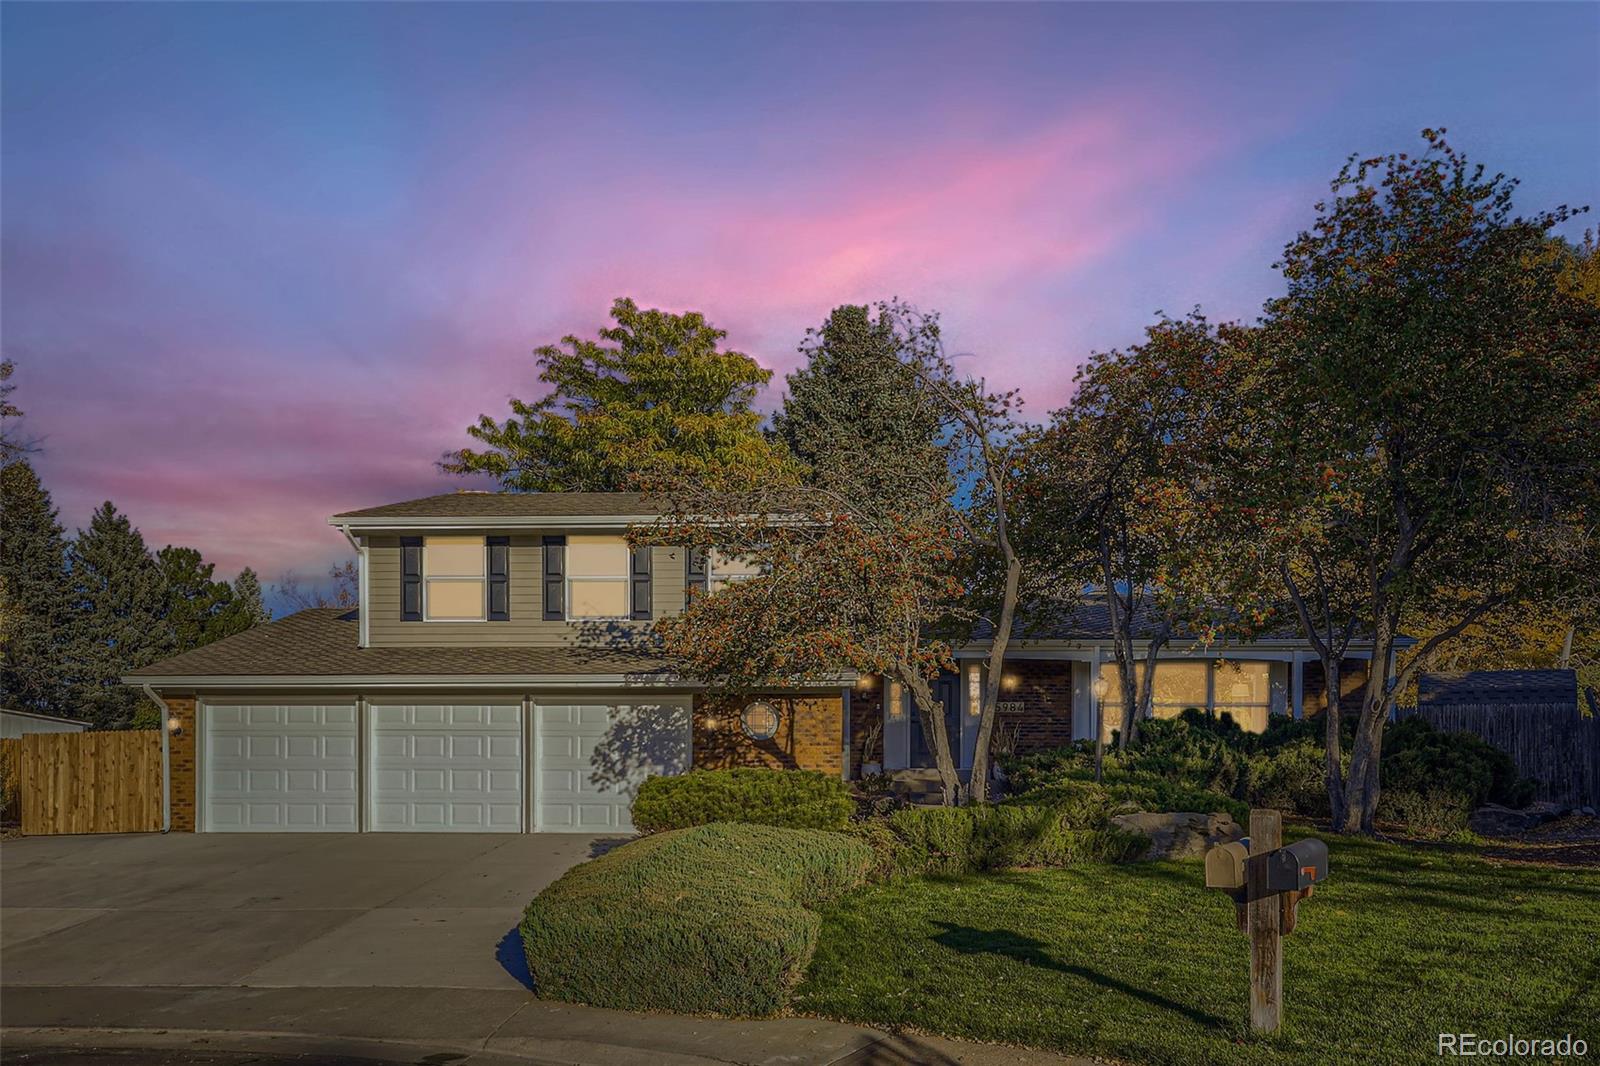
(448, 766)
(279, 767)
(593, 756)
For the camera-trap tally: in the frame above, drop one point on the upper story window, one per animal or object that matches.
(454, 579)
(598, 576)
(723, 570)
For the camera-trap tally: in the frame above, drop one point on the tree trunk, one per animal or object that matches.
(931, 711)
(1363, 787)
(1146, 698)
(979, 781)
(1333, 741)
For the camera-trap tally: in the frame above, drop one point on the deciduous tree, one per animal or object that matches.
(863, 559)
(1450, 387)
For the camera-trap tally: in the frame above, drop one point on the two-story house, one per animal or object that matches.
(497, 676)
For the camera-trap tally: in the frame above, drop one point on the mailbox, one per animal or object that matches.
(1225, 865)
(1294, 868)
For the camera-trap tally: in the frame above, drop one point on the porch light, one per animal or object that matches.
(865, 683)
(1010, 682)
(174, 725)
(710, 723)
(1101, 687)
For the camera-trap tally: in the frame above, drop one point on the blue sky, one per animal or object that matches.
(266, 262)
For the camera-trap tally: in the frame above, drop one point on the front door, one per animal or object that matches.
(947, 691)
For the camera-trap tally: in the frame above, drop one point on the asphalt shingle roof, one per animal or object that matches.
(1499, 686)
(1090, 619)
(514, 505)
(322, 642)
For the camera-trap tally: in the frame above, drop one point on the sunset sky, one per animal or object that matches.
(263, 263)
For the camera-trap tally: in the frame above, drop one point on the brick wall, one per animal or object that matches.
(1045, 689)
(810, 734)
(1352, 678)
(180, 756)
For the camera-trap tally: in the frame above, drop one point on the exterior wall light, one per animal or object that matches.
(174, 725)
(1101, 687)
(710, 722)
(1010, 682)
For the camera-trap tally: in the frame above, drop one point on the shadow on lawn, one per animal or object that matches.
(1012, 945)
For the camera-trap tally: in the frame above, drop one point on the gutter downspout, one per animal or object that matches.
(166, 759)
(361, 583)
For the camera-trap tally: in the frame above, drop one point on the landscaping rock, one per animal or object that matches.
(1493, 820)
(1180, 835)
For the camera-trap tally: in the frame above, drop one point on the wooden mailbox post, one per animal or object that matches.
(1265, 924)
(1267, 883)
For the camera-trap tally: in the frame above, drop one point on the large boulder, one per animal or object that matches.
(1181, 834)
(1493, 820)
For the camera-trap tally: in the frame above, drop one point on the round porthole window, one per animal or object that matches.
(760, 721)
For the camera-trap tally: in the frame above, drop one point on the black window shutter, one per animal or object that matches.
(640, 579)
(696, 575)
(499, 579)
(410, 579)
(555, 572)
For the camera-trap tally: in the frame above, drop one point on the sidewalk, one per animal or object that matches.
(452, 1027)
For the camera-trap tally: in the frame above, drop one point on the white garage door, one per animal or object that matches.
(441, 767)
(279, 767)
(592, 757)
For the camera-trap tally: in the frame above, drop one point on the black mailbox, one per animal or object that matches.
(1298, 866)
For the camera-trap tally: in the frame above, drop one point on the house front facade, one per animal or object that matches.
(498, 675)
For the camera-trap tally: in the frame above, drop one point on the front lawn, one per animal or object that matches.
(1140, 963)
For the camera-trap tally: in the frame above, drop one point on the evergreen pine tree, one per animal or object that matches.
(119, 599)
(247, 601)
(34, 604)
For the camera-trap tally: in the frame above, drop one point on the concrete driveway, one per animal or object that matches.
(274, 910)
(219, 950)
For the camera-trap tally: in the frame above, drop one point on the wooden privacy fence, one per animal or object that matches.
(1551, 743)
(87, 782)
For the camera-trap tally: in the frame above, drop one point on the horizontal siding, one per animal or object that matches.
(527, 627)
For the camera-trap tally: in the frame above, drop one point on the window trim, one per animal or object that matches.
(482, 580)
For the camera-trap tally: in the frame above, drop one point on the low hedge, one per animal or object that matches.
(714, 919)
(796, 799)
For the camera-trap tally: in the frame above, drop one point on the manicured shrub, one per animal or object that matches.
(1419, 758)
(955, 840)
(797, 799)
(1196, 763)
(1438, 812)
(1292, 778)
(714, 919)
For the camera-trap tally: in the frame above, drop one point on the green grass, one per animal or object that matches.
(1140, 963)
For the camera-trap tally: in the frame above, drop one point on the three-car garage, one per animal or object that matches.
(504, 764)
